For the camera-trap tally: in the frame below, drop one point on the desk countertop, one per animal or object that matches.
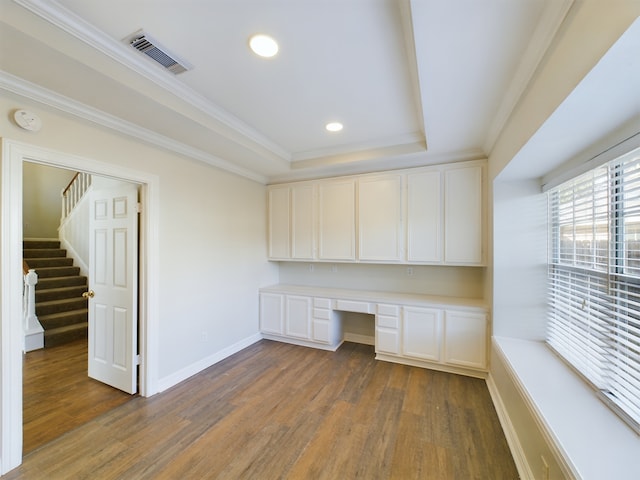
(405, 299)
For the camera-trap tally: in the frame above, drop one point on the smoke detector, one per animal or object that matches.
(151, 48)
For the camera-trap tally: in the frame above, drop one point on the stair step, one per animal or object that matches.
(49, 262)
(60, 293)
(48, 272)
(63, 319)
(43, 253)
(62, 335)
(58, 282)
(56, 306)
(32, 244)
(60, 308)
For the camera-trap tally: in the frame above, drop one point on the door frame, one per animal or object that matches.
(11, 281)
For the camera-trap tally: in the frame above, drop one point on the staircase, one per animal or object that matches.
(60, 308)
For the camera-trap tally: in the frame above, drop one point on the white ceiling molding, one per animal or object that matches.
(412, 143)
(36, 93)
(61, 17)
(547, 27)
(412, 63)
(311, 169)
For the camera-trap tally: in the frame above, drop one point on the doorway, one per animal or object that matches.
(58, 394)
(13, 156)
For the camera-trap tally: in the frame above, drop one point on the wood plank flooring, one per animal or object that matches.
(58, 396)
(278, 411)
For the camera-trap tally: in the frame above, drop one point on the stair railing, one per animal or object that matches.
(74, 192)
(33, 331)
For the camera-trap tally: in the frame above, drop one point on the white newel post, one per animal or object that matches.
(33, 331)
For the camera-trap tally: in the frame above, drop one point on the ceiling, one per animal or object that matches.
(415, 82)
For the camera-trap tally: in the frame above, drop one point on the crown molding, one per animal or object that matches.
(414, 142)
(41, 95)
(59, 16)
(550, 20)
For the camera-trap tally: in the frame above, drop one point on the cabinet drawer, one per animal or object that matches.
(387, 321)
(353, 306)
(322, 302)
(392, 310)
(322, 313)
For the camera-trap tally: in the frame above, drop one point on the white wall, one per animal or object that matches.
(519, 260)
(212, 238)
(428, 280)
(42, 187)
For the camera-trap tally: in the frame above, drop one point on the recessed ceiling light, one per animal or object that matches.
(334, 126)
(263, 45)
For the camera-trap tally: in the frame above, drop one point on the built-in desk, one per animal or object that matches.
(443, 333)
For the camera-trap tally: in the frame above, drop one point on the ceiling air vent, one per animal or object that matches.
(147, 45)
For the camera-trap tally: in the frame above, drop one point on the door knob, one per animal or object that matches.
(88, 294)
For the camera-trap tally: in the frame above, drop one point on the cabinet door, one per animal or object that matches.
(303, 222)
(337, 220)
(271, 313)
(463, 215)
(466, 339)
(387, 334)
(380, 218)
(421, 333)
(424, 217)
(298, 317)
(279, 222)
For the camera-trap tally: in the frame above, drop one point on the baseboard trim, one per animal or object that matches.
(197, 367)
(517, 452)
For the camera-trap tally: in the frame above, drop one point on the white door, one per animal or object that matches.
(113, 285)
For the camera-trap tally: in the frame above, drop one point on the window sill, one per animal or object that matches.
(593, 441)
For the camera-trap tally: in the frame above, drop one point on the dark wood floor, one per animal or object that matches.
(277, 411)
(58, 396)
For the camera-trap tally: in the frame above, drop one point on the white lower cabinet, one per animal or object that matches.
(421, 333)
(387, 329)
(325, 327)
(272, 313)
(298, 317)
(465, 339)
(442, 337)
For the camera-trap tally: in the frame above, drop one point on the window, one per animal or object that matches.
(594, 280)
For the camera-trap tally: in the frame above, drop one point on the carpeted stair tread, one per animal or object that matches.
(47, 294)
(37, 263)
(56, 306)
(63, 319)
(61, 335)
(59, 282)
(48, 272)
(37, 244)
(43, 253)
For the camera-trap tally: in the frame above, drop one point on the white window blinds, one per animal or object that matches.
(594, 279)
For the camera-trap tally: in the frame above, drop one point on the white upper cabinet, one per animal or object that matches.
(337, 211)
(303, 221)
(279, 222)
(424, 217)
(463, 218)
(361, 218)
(380, 218)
